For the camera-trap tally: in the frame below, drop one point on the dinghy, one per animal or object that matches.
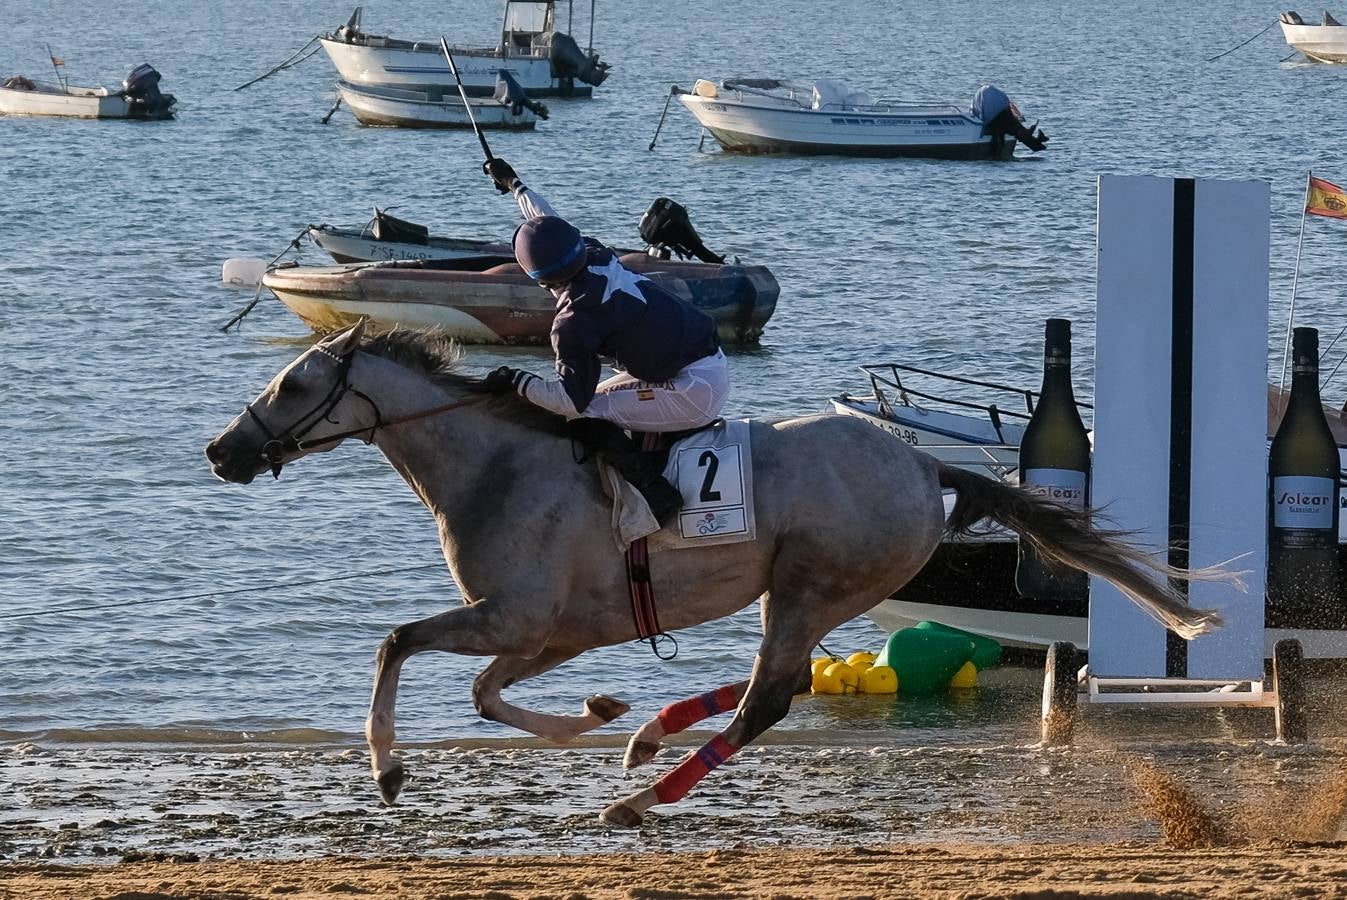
(139, 98)
(764, 115)
(545, 61)
(1325, 42)
(489, 300)
(480, 295)
(435, 107)
(386, 237)
(970, 584)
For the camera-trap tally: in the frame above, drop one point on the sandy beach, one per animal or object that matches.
(936, 870)
(1237, 817)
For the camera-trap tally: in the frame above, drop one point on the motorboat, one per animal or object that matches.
(1322, 42)
(485, 297)
(499, 303)
(970, 583)
(544, 60)
(138, 98)
(765, 115)
(386, 237)
(665, 227)
(439, 107)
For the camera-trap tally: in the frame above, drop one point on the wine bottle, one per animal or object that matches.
(1302, 568)
(1055, 464)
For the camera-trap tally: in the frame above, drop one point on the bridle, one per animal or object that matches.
(291, 439)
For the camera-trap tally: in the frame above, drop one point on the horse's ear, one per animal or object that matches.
(345, 342)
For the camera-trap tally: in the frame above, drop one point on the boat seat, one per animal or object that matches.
(504, 269)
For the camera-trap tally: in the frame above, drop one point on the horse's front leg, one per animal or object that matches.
(677, 717)
(507, 670)
(479, 629)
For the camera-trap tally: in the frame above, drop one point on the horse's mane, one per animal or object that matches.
(435, 355)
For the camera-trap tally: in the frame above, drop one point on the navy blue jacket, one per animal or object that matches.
(610, 311)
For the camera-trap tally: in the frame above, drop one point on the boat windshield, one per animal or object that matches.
(528, 16)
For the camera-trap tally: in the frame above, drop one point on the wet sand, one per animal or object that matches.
(807, 817)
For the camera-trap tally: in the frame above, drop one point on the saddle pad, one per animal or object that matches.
(713, 469)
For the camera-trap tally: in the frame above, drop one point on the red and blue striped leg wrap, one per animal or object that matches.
(675, 786)
(676, 717)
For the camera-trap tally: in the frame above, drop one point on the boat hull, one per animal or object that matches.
(85, 103)
(425, 66)
(1322, 43)
(972, 586)
(397, 108)
(493, 307)
(749, 128)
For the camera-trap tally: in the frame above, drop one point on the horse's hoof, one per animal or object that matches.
(606, 708)
(621, 815)
(390, 784)
(639, 753)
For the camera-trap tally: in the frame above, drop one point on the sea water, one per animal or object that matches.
(114, 372)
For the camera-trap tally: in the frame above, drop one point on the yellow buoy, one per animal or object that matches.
(816, 669)
(861, 660)
(879, 680)
(839, 678)
(967, 677)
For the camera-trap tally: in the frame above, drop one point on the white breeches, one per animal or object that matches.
(693, 398)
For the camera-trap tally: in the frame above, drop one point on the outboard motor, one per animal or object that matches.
(665, 226)
(511, 92)
(141, 89)
(999, 118)
(569, 61)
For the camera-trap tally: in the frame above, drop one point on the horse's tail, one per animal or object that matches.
(1060, 534)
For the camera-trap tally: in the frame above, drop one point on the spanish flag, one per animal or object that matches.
(1324, 198)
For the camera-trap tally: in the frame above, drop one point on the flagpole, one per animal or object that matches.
(55, 68)
(1295, 279)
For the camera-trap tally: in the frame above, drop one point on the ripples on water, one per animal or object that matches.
(115, 374)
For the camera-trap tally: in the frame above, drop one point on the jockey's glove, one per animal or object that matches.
(505, 379)
(502, 173)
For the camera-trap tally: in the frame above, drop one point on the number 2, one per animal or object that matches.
(711, 462)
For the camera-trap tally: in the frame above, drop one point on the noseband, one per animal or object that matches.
(291, 440)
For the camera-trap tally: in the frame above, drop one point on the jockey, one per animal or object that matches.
(672, 373)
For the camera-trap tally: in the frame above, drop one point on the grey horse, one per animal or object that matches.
(846, 515)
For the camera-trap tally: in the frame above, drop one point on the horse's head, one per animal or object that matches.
(309, 407)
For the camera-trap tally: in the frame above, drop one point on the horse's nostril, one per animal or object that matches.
(213, 451)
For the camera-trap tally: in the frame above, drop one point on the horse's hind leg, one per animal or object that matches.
(507, 670)
(677, 717)
(776, 674)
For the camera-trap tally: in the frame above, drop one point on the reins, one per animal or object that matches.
(396, 420)
(292, 439)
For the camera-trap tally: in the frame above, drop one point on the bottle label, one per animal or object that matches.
(1064, 486)
(1302, 503)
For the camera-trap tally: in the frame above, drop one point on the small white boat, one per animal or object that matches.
(139, 98)
(970, 584)
(432, 107)
(764, 115)
(547, 62)
(386, 237)
(1325, 42)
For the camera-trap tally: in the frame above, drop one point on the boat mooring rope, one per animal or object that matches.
(294, 60)
(255, 589)
(1237, 46)
(257, 295)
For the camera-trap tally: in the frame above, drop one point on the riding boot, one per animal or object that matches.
(643, 470)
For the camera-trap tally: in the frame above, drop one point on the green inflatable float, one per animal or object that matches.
(927, 657)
